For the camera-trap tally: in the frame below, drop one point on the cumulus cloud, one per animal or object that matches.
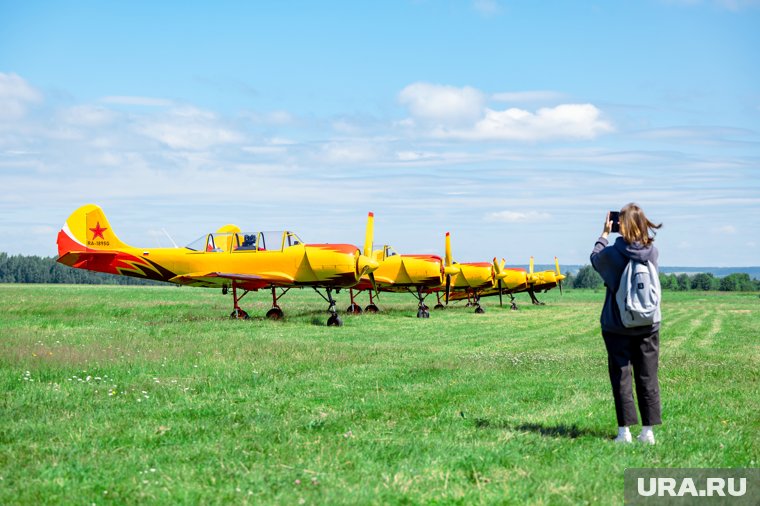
(518, 217)
(189, 128)
(439, 104)
(461, 113)
(731, 5)
(580, 121)
(141, 101)
(486, 7)
(87, 115)
(527, 96)
(15, 96)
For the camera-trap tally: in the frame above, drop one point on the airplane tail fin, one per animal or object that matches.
(87, 229)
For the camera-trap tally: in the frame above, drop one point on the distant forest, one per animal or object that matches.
(587, 277)
(34, 269)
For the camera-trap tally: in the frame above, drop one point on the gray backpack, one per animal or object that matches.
(638, 297)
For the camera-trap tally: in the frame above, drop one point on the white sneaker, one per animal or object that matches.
(624, 438)
(646, 437)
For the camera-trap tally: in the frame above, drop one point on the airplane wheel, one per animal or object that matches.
(371, 309)
(439, 306)
(422, 313)
(514, 307)
(354, 309)
(334, 321)
(479, 310)
(275, 313)
(239, 314)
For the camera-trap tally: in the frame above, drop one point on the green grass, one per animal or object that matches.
(135, 395)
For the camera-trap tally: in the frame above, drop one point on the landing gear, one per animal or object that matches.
(236, 313)
(354, 308)
(372, 308)
(514, 304)
(422, 310)
(334, 320)
(533, 298)
(276, 313)
(439, 305)
(239, 314)
(476, 302)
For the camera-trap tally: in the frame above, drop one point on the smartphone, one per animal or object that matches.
(615, 218)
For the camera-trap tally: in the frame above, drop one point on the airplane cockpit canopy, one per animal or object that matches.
(218, 242)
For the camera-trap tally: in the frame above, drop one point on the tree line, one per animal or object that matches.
(587, 277)
(35, 269)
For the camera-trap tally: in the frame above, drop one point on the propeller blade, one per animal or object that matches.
(560, 286)
(368, 237)
(531, 265)
(447, 257)
(374, 285)
(448, 287)
(501, 285)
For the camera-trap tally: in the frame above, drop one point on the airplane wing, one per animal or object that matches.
(246, 281)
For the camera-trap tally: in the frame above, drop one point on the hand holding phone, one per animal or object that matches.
(614, 217)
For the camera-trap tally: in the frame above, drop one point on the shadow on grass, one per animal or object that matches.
(559, 430)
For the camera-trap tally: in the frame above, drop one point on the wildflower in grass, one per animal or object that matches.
(297, 482)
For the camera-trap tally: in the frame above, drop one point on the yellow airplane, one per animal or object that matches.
(466, 279)
(416, 274)
(543, 281)
(227, 258)
(516, 280)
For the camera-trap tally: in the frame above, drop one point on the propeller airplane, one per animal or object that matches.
(512, 280)
(226, 259)
(416, 274)
(466, 279)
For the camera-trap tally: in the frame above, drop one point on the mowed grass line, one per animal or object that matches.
(114, 395)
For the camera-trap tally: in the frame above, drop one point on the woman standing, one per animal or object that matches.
(629, 349)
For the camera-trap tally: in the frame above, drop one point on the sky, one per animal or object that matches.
(514, 125)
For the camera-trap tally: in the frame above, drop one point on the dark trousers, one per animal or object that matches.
(639, 354)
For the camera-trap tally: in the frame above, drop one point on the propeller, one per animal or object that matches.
(449, 268)
(560, 276)
(499, 276)
(365, 263)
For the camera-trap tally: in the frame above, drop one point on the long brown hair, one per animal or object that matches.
(635, 227)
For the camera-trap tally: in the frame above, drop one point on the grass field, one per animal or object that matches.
(149, 395)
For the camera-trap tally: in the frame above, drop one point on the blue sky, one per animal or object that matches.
(513, 124)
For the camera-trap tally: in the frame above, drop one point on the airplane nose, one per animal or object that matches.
(365, 264)
(451, 270)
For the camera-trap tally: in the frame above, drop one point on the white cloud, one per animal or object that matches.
(88, 116)
(189, 128)
(731, 5)
(569, 121)
(15, 96)
(726, 229)
(443, 105)
(518, 217)
(460, 113)
(486, 7)
(142, 101)
(526, 96)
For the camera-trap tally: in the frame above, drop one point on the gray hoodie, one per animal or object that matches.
(609, 262)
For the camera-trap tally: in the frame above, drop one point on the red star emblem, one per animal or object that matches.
(98, 232)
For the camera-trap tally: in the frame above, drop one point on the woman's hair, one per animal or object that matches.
(635, 227)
